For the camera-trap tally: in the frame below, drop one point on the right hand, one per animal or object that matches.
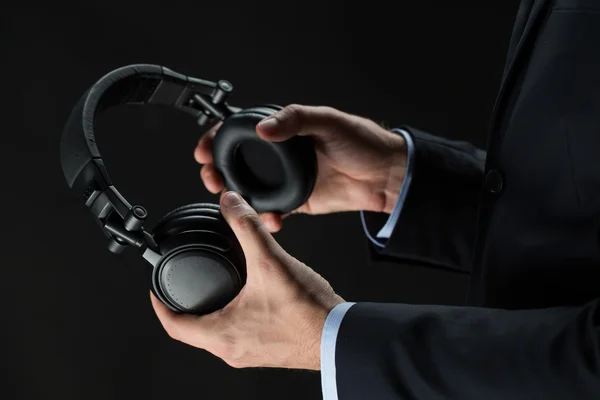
(361, 165)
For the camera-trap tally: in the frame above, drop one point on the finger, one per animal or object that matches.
(212, 179)
(272, 221)
(203, 150)
(254, 238)
(197, 331)
(298, 120)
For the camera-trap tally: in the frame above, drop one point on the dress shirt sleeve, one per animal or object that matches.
(388, 228)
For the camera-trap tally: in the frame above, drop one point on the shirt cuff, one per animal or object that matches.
(328, 342)
(388, 228)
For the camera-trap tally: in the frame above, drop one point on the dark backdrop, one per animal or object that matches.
(77, 323)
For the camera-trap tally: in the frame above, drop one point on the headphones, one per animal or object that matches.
(197, 263)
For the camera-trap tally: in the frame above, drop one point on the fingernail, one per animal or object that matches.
(231, 199)
(268, 123)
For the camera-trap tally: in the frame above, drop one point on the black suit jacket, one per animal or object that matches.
(523, 218)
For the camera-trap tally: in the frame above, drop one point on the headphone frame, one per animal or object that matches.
(219, 265)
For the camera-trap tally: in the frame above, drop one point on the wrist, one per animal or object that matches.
(396, 171)
(314, 343)
(310, 336)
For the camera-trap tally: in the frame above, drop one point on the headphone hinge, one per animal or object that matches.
(207, 107)
(121, 223)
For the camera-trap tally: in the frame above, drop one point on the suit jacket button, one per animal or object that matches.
(494, 181)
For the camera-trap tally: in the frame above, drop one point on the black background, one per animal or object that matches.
(76, 320)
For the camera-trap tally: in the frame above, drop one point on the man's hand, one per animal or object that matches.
(277, 318)
(361, 165)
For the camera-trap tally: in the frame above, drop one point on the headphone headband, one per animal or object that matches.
(134, 84)
(81, 162)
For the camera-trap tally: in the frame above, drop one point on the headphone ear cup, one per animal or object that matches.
(202, 267)
(296, 156)
(274, 107)
(260, 111)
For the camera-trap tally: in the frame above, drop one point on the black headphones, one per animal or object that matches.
(197, 263)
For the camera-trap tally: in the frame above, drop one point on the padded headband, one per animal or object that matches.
(134, 84)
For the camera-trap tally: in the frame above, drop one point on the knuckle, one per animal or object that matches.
(230, 351)
(205, 172)
(294, 114)
(248, 221)
(327, 110)
(293, 109)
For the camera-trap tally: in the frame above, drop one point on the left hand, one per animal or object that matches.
(277, 318)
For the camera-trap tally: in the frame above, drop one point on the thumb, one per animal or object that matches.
(254, 237)
(298, 120)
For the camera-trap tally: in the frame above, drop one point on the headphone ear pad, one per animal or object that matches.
(296, 156)
(202, 267)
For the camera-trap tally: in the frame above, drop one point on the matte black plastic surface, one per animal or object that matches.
(202, 266)
(198, 281)
(78, 144)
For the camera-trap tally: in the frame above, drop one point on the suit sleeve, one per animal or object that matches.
(438, 218)
(402, 352)
(392, 220)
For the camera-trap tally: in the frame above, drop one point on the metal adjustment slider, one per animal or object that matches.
(128, 231)
(212, 107)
